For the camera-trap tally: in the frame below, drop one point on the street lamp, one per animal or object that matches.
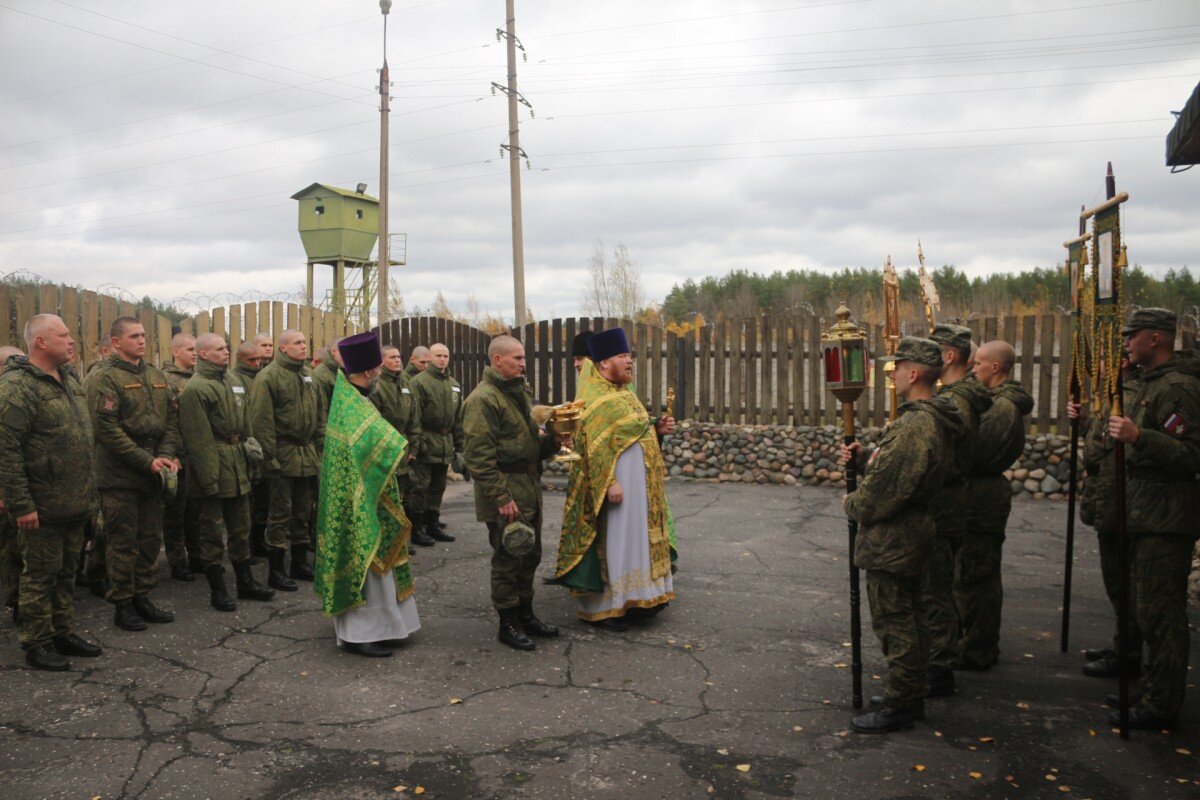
(844, 354)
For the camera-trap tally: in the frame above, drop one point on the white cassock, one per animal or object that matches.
(381, 617)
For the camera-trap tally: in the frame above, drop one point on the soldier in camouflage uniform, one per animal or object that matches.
(248, 366)
(951, 504)
(287, 417)
(135, 416)
(324, 375)
(1097, 508)
(394, 398)
(978, 586)
(1162, 438)
(95, 570)
(503, 451)
(266, 348)
(47, 485)
(179, 524)
(440, 399)
(215, 419)
(418, 360)
(897, 530)
(10, 548)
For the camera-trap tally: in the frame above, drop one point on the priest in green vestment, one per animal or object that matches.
(362, 571)
(618, 539)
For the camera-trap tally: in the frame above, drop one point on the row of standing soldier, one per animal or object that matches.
(134, 457)
(934, 504)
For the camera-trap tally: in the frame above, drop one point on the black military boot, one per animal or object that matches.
(886, 719)
(531, 624)
(1141, 718)
(183, 572)
(301, 571)
(1098, 653)
(99, 587)
(511, 632)
(150, 612)
(126, 617)
(71, 645)
(419, 537)
(258, 540)
(1114, 700)
(434, 529)
(276, 577)
(219, 598)
(879, 701)
(1108, 666)
(368, 649)
(247, 587)
(940, 683)
(46, 657)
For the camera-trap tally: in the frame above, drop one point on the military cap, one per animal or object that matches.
(518, 538)
(1156, 319)
(952, 335)
(918, 350)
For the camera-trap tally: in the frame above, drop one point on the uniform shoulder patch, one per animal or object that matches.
(1175, 425)
(109, 404)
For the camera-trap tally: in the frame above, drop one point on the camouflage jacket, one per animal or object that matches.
(47, 463)
(440, 399)
(214, 415)
(1162, 493)
(324, 375)
(504, 446)
(1002, 429)
(397, 404)
(177, 378)
(135, 417)
(1096, 501)
(411, 371)
(891, 504)
(288, 418)
(972, 399)
(247, 374)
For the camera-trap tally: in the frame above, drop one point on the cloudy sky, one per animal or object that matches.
(154, 146)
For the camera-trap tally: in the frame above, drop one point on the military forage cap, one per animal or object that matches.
(952, 335)
(1156, 319)
(921, 351)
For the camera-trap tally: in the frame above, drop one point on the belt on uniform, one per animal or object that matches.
(515, 469)
(296, 442)
(234, 439)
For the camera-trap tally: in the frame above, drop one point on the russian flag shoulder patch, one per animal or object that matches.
(1175, 425)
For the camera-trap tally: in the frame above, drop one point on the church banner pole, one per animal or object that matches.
(1076, 262)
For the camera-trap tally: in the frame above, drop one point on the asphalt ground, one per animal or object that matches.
(738, 690)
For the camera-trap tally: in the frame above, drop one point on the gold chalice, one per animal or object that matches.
(565, 420)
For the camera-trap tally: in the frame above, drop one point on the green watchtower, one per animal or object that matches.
(339, 227)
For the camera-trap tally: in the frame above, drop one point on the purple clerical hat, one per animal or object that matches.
(609, 343)
(360, 352)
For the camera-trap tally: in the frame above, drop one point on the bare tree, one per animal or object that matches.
(614, 288)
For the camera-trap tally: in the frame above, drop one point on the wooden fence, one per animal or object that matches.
(89, 316)
(765, 370)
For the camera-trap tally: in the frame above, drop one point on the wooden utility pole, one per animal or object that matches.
(514, 168)
(384, 254)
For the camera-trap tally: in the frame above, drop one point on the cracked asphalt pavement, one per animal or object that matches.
(738, 690)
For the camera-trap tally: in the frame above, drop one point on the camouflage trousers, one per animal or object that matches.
(49, 554)
(979, 594)
(10, 559)
(96, 567)
(133, 538)
(260, 501)
(224, 523)
(181, 532)
(512, 576)
(428, 486)
(1110, 570)
(290, 513)
(896, 620)
(937, 607)
(1161, 563)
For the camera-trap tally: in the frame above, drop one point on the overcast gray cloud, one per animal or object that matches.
(155, 146)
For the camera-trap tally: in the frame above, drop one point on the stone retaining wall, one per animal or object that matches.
(806, 454)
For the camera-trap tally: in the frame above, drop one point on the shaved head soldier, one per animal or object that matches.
(394, 398)
(288, 420)
(179, 526)
(136, 420)
(418, 360)
(440, 398)
(266, 347)
(47, 484)
(249, 362)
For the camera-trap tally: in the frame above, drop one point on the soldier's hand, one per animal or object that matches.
(509, 511)
(162, 463)
(1123, 430)
(29, 522)
(666, 425)
(845, 453)
(615, 494)
(1077, 411)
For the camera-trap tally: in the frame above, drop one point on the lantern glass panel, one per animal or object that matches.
(852, 354)
(833, 366)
